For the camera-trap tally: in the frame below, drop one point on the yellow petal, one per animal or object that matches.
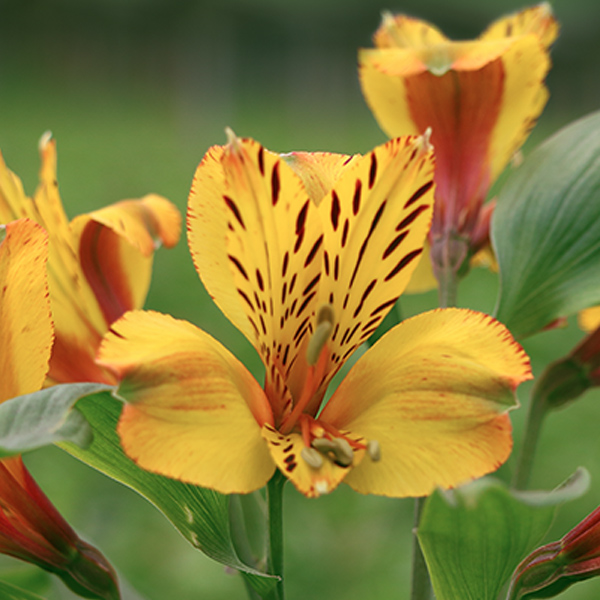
(536, 20)
(194, 412)
(319, 170)
(589, 319)
(433, 392)
(375, 220)
(312, 481)
(525, 66)
(400, 31)
(256, 240)
(26, 331)
(422, 279)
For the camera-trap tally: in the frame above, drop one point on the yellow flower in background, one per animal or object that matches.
(305, 254)
(31, 529)
(481, 99)
(99, 264)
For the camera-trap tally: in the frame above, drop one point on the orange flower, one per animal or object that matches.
(99, 264)
(480, 98)
(305, 254)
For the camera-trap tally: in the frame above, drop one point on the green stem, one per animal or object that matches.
(420, 588)
(275, 540)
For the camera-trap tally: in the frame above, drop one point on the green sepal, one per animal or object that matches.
(544, 231)
(474, 537)
(12, 592)
(200, 515)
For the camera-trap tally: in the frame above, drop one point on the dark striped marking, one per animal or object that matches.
(313, 251)
(311, 285)
(394, 244)
(372, 170)
(245, 297)
(356, 197)
(275, 184)
(403, 263)
(239, 266)
(365, 295)
(363, 248)
(259, 280)
(383, 306)
(413, 215)
(335, 210)
(261, 160)
(420, 192)
(345, 232)
(235, 210)
(286, 258)
(301, 220)
(305, 303)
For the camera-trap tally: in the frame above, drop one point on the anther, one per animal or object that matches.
(342, 452)
(322, 333)
(312, 457)
(374, 450)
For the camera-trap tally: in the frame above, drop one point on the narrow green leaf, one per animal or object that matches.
(11, 592)
(474, 537)
(545, 231)
(45, 417)
(201, 515)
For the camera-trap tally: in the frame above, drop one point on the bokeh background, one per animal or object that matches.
(135, 91)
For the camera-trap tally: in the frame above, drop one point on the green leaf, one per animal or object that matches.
(45, 417)
(545, 231)
(11, 592)
(201, 515)
(474, 537)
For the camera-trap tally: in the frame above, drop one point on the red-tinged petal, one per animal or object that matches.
(314, 480)
(319, 170)
(256, 240)
(194, 412)
(433, 392)
(375, 220)
(26, 331)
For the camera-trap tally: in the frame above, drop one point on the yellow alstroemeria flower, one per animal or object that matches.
(307, 267)
(31, 529)
(99, 264)
(481, 99)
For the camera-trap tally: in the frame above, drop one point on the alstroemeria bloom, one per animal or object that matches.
(552, 568)
(307, 267)
(31, 528)
(99, 264)
(481, 98)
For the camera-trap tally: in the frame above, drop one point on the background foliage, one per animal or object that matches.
(135, 91)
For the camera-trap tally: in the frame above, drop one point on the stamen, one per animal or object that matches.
(339, 447)
(325, 318)
(374, 450)
(312, 457)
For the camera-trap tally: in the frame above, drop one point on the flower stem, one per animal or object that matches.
(420, 588)
(533, 424)
(275, 539)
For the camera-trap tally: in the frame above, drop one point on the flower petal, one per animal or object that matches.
(319, 170)
(400, 31)
(194, 412)
(375, 220)
(312, 481)
(537, 20)
(589, 319)
(434, 392)
(256, 241)
(116, 245)
(26, 331)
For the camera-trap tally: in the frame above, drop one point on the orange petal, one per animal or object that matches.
(312, 481)
(194, 412)
(26, 332)
(434, 392)
(376, 221)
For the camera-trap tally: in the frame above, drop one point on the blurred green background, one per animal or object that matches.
(135, 91)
